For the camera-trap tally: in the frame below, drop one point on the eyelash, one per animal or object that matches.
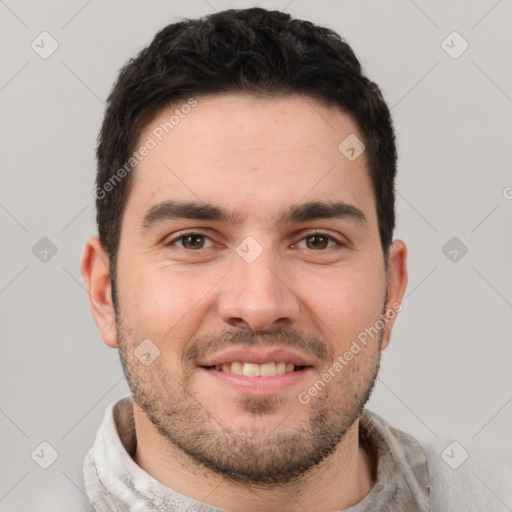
(198, 233)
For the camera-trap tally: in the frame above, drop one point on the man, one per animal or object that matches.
(245, 269)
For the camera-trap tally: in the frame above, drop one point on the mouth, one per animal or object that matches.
(265, 370)
(256, 371)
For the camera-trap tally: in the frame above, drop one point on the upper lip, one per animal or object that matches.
(257, 355)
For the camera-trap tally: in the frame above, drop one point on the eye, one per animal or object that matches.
(319, 241)
(191, 241)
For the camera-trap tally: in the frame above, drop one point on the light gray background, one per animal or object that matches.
(446, 375)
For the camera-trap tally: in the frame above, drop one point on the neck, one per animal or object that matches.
(340, 481)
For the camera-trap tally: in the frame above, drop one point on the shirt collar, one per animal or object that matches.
(114, 481)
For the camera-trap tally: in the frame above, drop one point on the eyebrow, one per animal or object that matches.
(175, 210)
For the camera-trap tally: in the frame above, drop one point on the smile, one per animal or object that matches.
(256, 370)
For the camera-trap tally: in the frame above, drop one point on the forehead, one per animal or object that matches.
(250, 153)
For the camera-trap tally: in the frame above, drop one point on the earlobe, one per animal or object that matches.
(396, 285)
(95, 273)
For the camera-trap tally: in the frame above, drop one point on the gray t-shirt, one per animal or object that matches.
(114, 482)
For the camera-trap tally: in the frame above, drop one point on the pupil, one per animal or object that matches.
(189, 240)
(321, 244)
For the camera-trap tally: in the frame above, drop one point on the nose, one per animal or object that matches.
(258, 295)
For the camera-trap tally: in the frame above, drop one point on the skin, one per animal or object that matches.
(199, 436)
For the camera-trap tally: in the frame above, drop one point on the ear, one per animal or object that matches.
(95, 272)
(396, 285)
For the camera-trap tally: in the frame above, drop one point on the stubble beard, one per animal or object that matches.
(254, 454)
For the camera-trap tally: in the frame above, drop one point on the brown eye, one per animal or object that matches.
(192, 241)
(317, 241)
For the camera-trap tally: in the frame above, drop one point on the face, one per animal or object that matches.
(249, 263)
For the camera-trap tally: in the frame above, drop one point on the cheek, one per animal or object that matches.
(167, 305)
(347, 301)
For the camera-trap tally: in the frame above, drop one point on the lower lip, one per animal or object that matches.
(258, 386)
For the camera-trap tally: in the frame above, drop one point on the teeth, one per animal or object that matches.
(256, 370)
(236, 368)
(251, 370)
(267, 369)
